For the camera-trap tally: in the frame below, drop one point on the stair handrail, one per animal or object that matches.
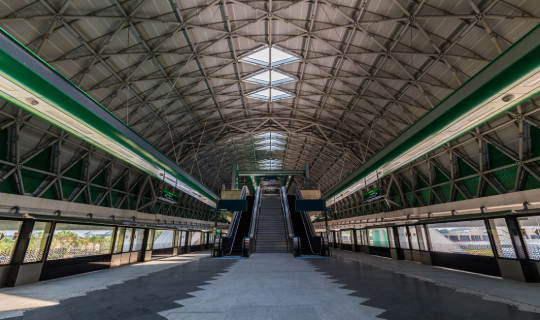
(286, 212)
(311, 233)
(236, 219)
(255, 215)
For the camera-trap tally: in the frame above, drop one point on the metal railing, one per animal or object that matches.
(286, 212)
(236, 221)
(255, 215)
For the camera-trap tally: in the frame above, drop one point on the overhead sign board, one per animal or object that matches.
(309, 205)
(169, 196)
(232, 205)
(373, 195)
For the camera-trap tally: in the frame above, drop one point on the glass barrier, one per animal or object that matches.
(9, 233)
(183, 239)
(138, 240)
(150, 243)
(80, 240)
(422, 237)
(462, 237)
(346, 237)
(175, 240)
(366, 237)
(403, 238)
(119, 239)
(378, 237)
(163, 239)
(390, 232)
(127, 240)
(530, 230)
(359, 239)
(38, 240)
(414, 238)
(203, 236)
(195, 238)
(501, 238)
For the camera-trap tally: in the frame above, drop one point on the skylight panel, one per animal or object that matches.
(280, 57)
(276, 77)
(270, 94)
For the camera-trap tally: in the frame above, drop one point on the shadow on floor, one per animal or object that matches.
(137, 299)
(406, 298)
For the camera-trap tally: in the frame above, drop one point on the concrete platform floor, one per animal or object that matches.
(268, 286)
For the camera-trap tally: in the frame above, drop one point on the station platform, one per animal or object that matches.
(274, 286)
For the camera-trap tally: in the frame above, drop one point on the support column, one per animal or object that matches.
(234, 177)
(307, 176)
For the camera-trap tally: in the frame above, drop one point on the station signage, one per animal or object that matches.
(373, 195)
(169, 197)
(232, 205)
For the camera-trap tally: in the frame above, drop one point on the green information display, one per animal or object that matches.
(373, 195)
(169, 196)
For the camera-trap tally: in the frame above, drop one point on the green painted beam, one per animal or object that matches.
(519, 61)
(31, 75)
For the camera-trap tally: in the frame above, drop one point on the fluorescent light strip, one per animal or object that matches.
(90, 135)
(526, 87)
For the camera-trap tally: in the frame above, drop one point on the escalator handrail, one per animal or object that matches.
(255, 215)
(286, 212)
(303, 215)
(236, 219)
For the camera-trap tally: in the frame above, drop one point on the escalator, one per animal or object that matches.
(298, 227)
(311, 244)
(242, 229)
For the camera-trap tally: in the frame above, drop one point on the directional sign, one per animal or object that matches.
(169, 196)
(373, 195)
(232, 205)
(309, 205)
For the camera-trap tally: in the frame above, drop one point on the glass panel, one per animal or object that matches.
(38, 240)
(119, 239)
(378, 237)
(463, 237)
(530, 230)
(183, 239)
(359, 237)
(203, 235)
(175, 241)
(501, 237)
(149, 244)
(163, 239)
(9, 233)
(366, 237)
(80, 240)
(138, 239)
(390, 232)
(195, 237)
(403, 238)
(346, 237)
(414, 238)
(422, 237)
(127, 240)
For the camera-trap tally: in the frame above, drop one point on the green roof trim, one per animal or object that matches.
(23, 67)
(515, 62)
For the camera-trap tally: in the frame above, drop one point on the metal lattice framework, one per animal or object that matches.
(171, 69)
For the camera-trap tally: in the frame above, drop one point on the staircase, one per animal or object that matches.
(271, 236)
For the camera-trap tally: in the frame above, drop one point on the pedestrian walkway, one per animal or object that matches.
(270, 286)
